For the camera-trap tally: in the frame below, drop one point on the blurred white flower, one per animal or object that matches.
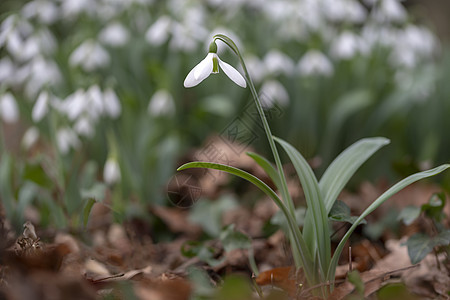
(74, 104)
(41, 72)
(315, 62)
(45, 11)
(9, 112)
(111, 171)
(273, 91)
(161, 104)
(115, 34)
(389, 11)
(210, 65)
(345, 46)
(66, 139)
(84, 127)
(112, 104)
(72, 8)
(90, 55)
(412, 44)
(277, 63)
(94, 104)
(158, 33)
(30, 137)
(344, 10)
(7, 70)
(40, 108)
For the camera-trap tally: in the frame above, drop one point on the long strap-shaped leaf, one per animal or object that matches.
(380, 200)
(306, 259)
(315, 204)
(345, 165)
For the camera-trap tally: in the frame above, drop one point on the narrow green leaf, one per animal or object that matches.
(87, 210)
(318, 224)
(267, 167)
(345, 165)
(297, 237)
(380, 200)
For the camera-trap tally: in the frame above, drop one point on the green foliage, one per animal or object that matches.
(340, 212)
(209, 214)
(420, 244)
(355, 278)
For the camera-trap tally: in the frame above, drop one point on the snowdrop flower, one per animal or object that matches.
(345, 46)
(94, 103)
(74, 104)
(90, 55)
(115, 34)
(315, 62)
(66, 139)
(30, 138)
(210, 65)
(161, 103)
(273, 91)
(84, 127)
(40, 108)
(390, 11)
(111, 171)
(45, 11)
(278, 63)
(9, 112)
(158, 33)
(111, 103)
(6, 70)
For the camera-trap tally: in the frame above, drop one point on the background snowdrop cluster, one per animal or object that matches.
(96, 86)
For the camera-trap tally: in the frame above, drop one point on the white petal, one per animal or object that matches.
(233, 74)
(40, 108)
(200, 71)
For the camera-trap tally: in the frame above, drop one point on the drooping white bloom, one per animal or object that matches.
(158, 33)
(273, 91)
(40, 108)
(84, 127)
(345, 46)
(277, 62)
(30, 137)
(111, 103)
(90, 55)
(66, 139)
(40, 72)
(115, 34)
(45, 11)
(161, 104)
(75, 104)
(6, 70)
(9, 112)
(389, 11)
(210, 65)
(111, 171)
(94, 104)
(315, 62)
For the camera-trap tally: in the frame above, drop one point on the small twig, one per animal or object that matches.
(109, 277)
(350, 266)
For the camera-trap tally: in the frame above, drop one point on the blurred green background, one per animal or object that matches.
(93, 107)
